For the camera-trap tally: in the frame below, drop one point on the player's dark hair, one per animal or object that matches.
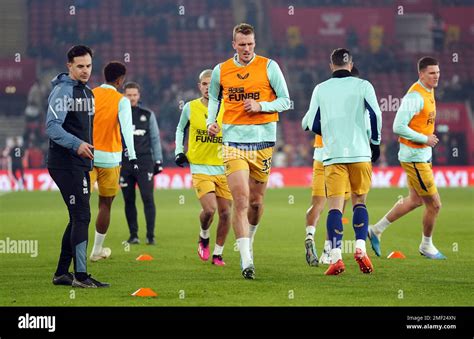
(243, 28)
(114, 70)
(77, 51)
(131, 84)
(341, 57)
(355, 72)
(425, 62)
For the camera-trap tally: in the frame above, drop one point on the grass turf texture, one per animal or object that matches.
(283, 278)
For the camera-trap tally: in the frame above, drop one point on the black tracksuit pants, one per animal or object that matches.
(145, 181)
(75, 190)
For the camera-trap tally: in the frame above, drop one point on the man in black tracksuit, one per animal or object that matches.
(69, 124)
(148, 150)
(16, 153)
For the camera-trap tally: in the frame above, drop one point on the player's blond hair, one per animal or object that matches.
(205, 74)
(243, 28)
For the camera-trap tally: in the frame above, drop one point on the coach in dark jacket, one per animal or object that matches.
(146, 137)
(69, 124)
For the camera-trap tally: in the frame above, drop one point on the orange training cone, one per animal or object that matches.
(144, 257)
(345, 221)
(144, 292)
(396, 255)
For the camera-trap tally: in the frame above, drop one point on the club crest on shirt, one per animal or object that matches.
(142, 118)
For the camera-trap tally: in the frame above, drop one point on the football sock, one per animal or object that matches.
(327, 245)
(427, 245)
(381, 226)
(81, 276)
(244, 248)
(360, 221)
(335, 255)
(204, 234)
(361, 244)
(218, 250)
(310, 230)
(426, 241)
(98, 242)
(335, 228)
(252, 231)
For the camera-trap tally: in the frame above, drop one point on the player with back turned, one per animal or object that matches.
(338, 112)
(113, 119)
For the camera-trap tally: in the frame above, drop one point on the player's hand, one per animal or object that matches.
(432, 140)
(250, 105)
(85, 151)
(135, 167)
(158, 168)
(375, 152)
(181, 159)
(213, 129)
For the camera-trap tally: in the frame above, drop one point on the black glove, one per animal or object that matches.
(135, 168)
(375, 152)
(181, 159)
(158, 168)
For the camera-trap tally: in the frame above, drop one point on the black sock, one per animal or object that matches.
(81, 276)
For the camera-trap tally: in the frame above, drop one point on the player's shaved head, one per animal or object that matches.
(426, 61)
(205, 74)
(114, 70)
(341, 57)
(244, 29)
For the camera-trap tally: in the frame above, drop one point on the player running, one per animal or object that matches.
(415, 124)
(318, 200)
(207, 168)
(113, 118)
(338, 112)
(254, 91)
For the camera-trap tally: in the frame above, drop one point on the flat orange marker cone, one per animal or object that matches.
(144, 292)
(396, 255)
(345, 221)
(144, 257)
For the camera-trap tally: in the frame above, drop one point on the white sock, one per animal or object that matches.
(327, 245)
(310, 230)
(204, 234)
(427, 245)
(335, 255)
(381, 226)
(361, 244)
(244, 247)
(218, 250)
(426, 241)
(252, 231)
(98, 241)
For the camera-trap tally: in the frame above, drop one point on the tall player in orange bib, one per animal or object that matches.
(113, 120)
(415, 124)
(253, 91)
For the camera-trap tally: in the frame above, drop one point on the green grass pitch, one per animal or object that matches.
(283, 278)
